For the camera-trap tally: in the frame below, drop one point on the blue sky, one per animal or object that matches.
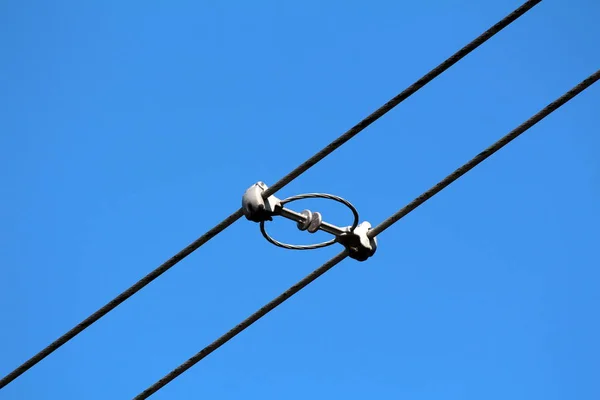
(130, 128)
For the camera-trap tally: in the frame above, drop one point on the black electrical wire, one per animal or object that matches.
(242, 325)
(271, 190)
(119, 299)
(378, 229)
(456, 57)
(486, 153)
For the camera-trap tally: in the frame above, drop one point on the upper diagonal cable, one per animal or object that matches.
(271, 190)
(406, 93)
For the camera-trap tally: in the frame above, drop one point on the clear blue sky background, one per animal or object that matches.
(130, 128)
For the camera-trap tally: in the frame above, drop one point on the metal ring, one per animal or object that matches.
(317, 245)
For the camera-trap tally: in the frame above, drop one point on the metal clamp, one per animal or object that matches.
(255, 207)
(358, 243)
(354, 237)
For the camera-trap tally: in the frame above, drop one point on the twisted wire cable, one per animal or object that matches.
(111, 305)
(379, 228)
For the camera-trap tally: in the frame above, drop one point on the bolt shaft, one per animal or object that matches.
(297, 217)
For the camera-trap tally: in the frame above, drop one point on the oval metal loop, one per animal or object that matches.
(317, 245)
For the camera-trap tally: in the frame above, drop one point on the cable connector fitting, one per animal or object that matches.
(255, 207)
(358, 243)
(355, 238)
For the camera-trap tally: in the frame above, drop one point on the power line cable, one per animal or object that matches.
(486, 153)
(375, 231)
(456, 57)
(271, 190)
(242, 326)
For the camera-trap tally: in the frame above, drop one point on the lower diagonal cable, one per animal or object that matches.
(242, 325)
(374, 232)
